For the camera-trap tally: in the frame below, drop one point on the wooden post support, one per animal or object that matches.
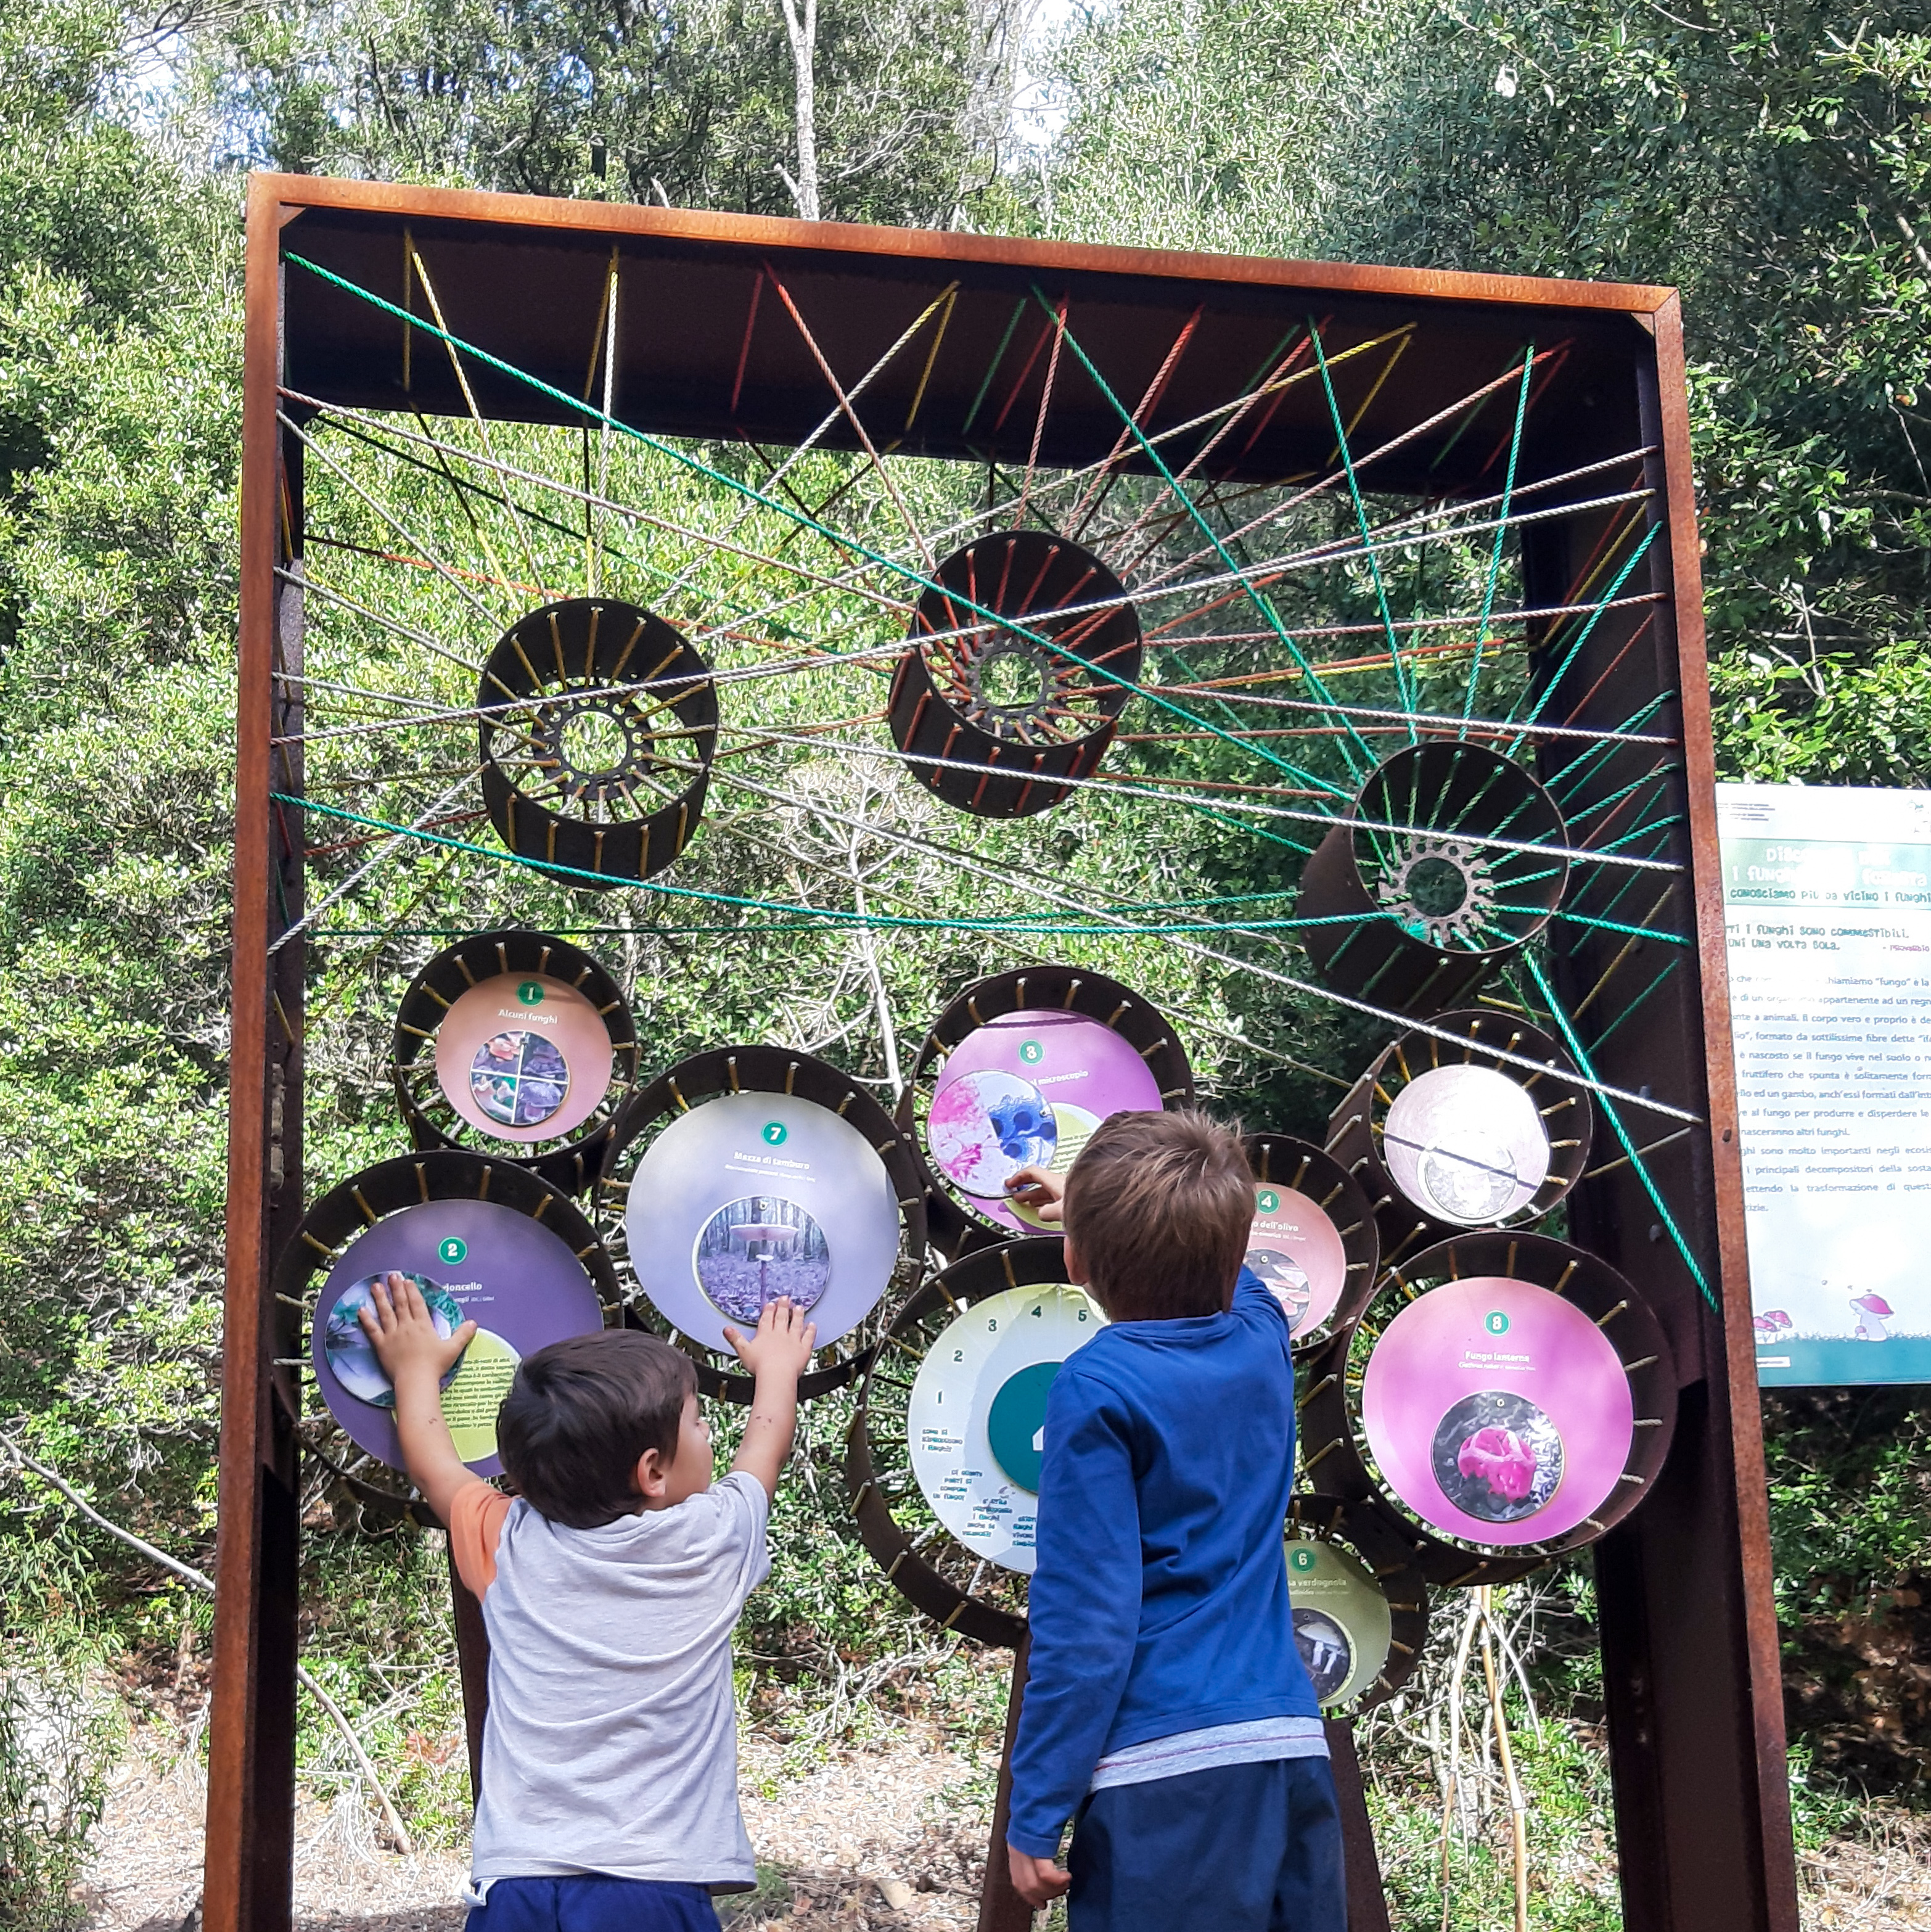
(1367, 1904)
(1001, 1908)
(250, 1841)
(472, 1664)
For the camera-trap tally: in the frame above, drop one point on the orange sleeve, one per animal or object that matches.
(475, 1521)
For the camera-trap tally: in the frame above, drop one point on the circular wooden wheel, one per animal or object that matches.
(954, 1585)
(572, 1161)
(354, 1205)
(1337, 1459)
(597, 724)
(1003, 708)
(1452, 859)
(709, 1076)
(1376, 1540)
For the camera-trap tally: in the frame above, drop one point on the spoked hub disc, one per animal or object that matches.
(599, 722)
(1005, 706)
(1452, 862)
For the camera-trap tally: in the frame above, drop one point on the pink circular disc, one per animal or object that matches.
(1496, 1412)
(524, 1058)
(1297, 1252)
(1072, 1061)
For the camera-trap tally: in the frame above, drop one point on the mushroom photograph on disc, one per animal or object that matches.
(740, 1200)
(519, 1042)
(1507, 1395)
(1018, 1071)
(509, 1268)
(1026, 1090)
(742, 1174)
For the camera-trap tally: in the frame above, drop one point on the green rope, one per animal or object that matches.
(1603, 925)
(1608, 596)
(1501, 530)
(1650, 777)
(992, 368)
(1264, 605)
(1409, 699)
(359, 433)
(1641, 832)
(1563, 782)
(1668, 968)
(1615, 1121)
(818, 916)
(849, 544)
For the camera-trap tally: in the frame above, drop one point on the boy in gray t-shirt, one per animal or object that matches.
(610, 1588)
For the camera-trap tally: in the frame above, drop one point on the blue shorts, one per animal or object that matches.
(1240, 1848)
(592, 1905)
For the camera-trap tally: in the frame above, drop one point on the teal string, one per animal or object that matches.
(1608, 597)
(1615, 1121)
(798, 517)
(818, 917)
(1261, 604)
(1501, 530)
(1402, 683)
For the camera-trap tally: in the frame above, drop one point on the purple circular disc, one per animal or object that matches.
(515, 1279)
(1498, 1412)
(1070, 1059)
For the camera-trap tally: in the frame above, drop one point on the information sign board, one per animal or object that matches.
(1827, 907)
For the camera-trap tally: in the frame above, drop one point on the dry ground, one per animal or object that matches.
(885, 1839)
(881, 1839)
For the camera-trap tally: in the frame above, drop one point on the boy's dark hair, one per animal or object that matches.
(581, 1412)
(1159, 1206)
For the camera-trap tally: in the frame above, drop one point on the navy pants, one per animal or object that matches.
(1240, 1848)
(592, 1905)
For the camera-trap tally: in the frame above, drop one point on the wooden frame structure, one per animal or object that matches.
(1690, 1655)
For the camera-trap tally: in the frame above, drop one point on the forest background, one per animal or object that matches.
(1774, 161)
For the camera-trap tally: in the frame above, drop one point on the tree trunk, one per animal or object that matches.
(802, 32)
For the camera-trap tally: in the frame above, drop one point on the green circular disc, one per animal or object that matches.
(1016, 1425)
(1342, 1627)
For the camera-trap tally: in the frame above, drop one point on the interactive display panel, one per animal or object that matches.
(473, 1260)
(754, 1195)
(977, 1415)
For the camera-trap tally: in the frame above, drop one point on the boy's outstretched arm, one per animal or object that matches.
(415, 1359)
(777, 1355)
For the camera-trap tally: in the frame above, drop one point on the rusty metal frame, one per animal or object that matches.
(1688, 1634)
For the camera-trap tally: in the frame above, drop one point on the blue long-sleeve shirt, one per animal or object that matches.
(1159, 1604)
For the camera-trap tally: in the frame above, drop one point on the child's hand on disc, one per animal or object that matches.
(1038, 1191)
(397, 1322)
(782, 1344)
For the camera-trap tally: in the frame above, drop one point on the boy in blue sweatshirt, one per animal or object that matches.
(1167, 1712)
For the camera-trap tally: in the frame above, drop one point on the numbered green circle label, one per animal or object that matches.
(1031, 1052)
(530, 993)
(1300, 1558)
(452, 1248)
(1267, 1201)
(775, 1132)
(1496, 1322)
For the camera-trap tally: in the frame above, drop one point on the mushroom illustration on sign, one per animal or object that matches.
(1872, 1310)
(1771, 1324)
(1503, 1458)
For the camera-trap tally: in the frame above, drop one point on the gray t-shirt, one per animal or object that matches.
(611, 1745)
